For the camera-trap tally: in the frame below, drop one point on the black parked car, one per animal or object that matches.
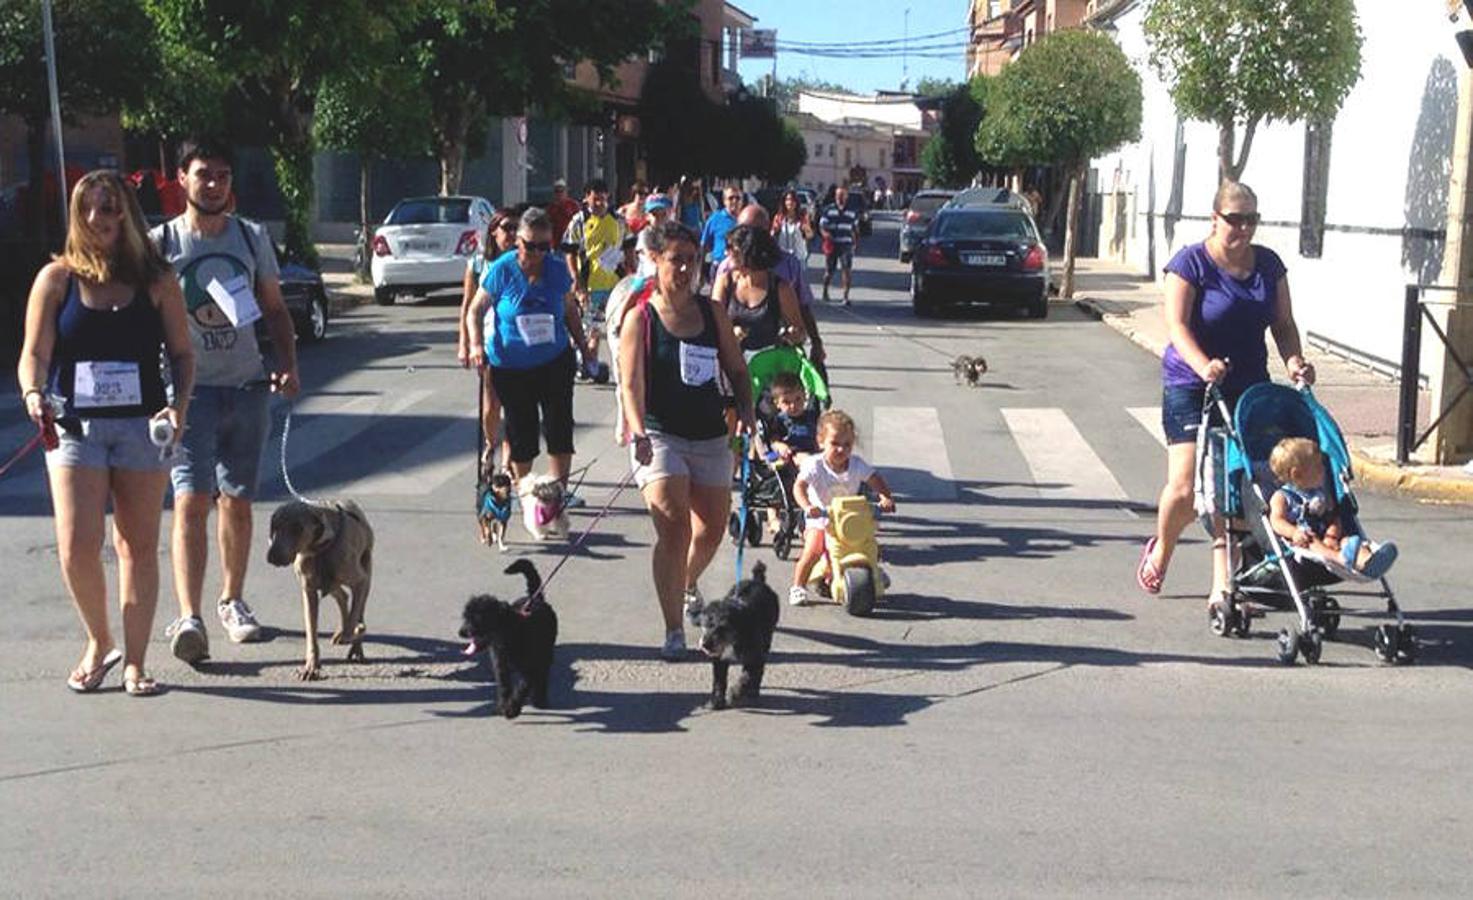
(987, 255)
(306, 298)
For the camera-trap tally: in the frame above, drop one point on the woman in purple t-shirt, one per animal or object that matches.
(1221, 295)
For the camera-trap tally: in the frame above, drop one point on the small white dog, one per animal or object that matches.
(543, 512)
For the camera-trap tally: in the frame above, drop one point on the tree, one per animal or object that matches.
(1066, 99)
(104, 50)
(479, 59)
(378, 113)
(275, 57)
(1237, 63)
(950, 158)
(785, 90)
(930, 86)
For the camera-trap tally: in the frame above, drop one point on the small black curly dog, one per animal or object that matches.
(738, 629)
(520, 637)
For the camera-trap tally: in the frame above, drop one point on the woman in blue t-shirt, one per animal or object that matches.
(1221, 295)
(520, 322)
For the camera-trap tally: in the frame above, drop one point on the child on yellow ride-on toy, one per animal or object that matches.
(835, 471)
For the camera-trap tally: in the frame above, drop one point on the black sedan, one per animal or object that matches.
(306, 298)
(990, 255)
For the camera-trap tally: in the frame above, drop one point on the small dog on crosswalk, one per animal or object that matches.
(520, 636)
(493, 509)
(738, 629)
(969, 369)
(544, 506)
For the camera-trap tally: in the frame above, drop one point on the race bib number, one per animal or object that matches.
(536, 329)
(103, 384)
(697, 364)
(611, 259)
(235, 299)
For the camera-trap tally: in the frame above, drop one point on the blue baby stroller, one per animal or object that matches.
(1234, 481)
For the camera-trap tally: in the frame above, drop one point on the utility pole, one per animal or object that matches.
(905, 52)
(49, 38)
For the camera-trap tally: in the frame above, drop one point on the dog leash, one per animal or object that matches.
(743, 443)
(573, 548)
(20, 454)
(286, 478)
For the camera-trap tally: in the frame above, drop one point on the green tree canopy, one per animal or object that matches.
(1237, 63)
(104, 53)
(950, 158)
(1066, 99)
(785, 90)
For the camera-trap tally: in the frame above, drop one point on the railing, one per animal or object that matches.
(1414, 313)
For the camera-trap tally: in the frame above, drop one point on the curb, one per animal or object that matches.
(1388, 477)
(1376, 475)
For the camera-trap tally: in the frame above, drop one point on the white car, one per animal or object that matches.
(423, 244)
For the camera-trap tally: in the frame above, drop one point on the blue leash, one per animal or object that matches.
(742, 506)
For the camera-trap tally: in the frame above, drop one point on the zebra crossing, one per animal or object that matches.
(410, 443)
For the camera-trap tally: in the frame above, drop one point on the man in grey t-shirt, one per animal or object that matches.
(228, 271)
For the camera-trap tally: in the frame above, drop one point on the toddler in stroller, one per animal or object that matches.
(790, 395)
(1279, 471)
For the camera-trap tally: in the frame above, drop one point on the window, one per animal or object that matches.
(831, 151)
(848, 158)
(1317, 136)
(994, 8)
(715, 62)
(882, 158)
(817, 149)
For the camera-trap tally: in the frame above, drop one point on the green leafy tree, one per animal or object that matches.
(950, 158)
(1237, 63)
(275, 57)
(104, 50)
(787, 156)
(785, 90)
(678, 122)
(379, 113)
(480, 59)
(1066, 99)
(930, 86)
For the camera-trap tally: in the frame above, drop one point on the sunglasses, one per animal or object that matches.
(537, 246)
(507, 226)
(1240, 220)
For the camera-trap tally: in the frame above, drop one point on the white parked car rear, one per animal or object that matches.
(423, 244)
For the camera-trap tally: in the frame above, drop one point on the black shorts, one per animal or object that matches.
(537, 399)
(843, 256)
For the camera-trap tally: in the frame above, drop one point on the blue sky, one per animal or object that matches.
(836, 21)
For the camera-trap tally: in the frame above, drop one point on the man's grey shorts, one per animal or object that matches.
(223, 442)
(108, 444)
(707, 462)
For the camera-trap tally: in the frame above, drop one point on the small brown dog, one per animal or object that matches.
(330, 546)
(969, 369)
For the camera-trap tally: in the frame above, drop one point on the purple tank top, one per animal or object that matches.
(1229, 316)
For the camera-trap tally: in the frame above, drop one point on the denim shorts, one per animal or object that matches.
(223, 442)
(109, 444)
(842, 257)
(1181, 411)
(705, 462)
(593, 317)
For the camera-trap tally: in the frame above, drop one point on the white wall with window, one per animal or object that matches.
(1356, 208)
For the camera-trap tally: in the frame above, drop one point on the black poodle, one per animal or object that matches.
(520, 637)
(738, 629)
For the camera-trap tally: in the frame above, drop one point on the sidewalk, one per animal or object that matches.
(1364, 402)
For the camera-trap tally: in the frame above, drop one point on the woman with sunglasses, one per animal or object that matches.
(519, 322)
(674, 344)
(633, 211)
(1221, 296)
(501, 237)
(100, 320)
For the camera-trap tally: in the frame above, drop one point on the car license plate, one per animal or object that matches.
(984, 259)
(422, 246)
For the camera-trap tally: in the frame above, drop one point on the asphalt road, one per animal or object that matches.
(1016, 719)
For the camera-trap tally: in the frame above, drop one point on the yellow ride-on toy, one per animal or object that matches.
(850, 566)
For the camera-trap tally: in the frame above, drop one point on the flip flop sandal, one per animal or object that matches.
(1147, 575)
(141, 687)
(85, 682)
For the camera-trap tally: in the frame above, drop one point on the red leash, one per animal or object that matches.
(608, 505)
(27, 447)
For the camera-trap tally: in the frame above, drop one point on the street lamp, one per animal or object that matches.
(49, 38)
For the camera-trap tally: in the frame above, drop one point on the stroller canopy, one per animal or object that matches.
(764, 364)
(1268, 413)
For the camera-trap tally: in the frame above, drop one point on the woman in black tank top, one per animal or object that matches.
(102, 318)
(759, 303)
(672, 347)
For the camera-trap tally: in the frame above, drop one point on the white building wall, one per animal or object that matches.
(834, 107)
(1389, 166)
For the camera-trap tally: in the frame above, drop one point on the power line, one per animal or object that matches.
(895, 40)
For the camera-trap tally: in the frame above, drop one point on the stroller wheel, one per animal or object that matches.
(1385, 642)
(734, 527)
(1220, 619)
(754, 528)
(1327, 615)
(782, 542)
(1288, 644)
(1310, 645)
(1244, 624)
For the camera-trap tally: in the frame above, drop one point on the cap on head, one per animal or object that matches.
(656, 202)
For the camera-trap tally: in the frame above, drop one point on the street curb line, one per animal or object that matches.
(1391, 478)
(1120, 323)
(1374, 474)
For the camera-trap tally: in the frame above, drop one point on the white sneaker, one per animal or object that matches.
(187, 639)
(693, 598)
(240, 623)
(797, 596)
(674, 647)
